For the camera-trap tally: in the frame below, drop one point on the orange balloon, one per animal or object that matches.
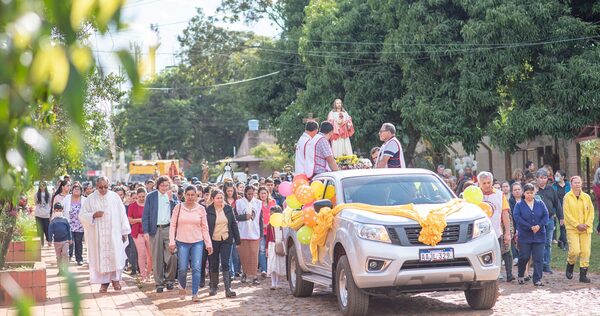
(487, 208)
(309, 216)
(297, 184)
(304, 194)
(300, 176)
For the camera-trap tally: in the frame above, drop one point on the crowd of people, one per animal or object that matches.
(164, 228)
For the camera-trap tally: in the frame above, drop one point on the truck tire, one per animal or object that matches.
(351, 300)
(298, 286)
(483, 298)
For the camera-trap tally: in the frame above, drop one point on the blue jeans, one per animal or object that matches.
(527, 250)
(184, 252)
(548, 245)
(262, 254)
(235, 265)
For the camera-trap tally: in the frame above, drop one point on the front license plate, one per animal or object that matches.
(430, 255)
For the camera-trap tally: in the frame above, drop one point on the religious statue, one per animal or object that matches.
(343, 129)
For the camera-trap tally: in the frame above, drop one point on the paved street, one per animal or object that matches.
(558, 297)
(130, 301)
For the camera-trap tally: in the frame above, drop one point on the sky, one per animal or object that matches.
(172, 17)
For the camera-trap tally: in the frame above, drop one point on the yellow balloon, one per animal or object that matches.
(330, 192)
(293, 202)
(318, 188)
(473, 195)
(276, 220)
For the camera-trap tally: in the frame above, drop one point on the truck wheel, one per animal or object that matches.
(483, 298)
(298, 286)
(351, 300)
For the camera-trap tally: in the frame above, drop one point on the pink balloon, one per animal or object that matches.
(285, 188)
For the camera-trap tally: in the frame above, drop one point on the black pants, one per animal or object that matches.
(42, 228)
(203, 263)
(222, 252)
(563, 235)
(78, 245)
(132, 256)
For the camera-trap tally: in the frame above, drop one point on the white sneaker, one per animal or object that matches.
(515, 262)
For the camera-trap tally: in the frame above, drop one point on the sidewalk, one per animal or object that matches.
(129, 301)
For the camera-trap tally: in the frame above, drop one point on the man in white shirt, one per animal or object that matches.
(310, 130)
(390, 154)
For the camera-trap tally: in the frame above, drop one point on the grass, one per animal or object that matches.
(559, 256)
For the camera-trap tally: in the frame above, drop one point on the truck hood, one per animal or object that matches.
(467, 212)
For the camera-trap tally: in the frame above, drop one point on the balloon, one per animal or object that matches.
(276, 219)
(473, 195)
(304, 235)
(300, 176)
(298, 183)
(285, 188)
(318, 189)
(330, 192)
(309, 216)
(304, 194)
(293, 202)
(487, 208)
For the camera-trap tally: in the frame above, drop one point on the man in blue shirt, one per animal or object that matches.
(156, 220)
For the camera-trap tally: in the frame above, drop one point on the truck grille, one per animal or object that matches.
(451, 234)
(416, 264)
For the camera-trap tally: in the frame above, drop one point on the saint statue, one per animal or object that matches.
(343, 129)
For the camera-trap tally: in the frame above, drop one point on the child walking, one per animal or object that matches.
(275, 251)
(59, 232)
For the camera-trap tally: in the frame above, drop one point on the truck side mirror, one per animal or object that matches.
(318, 205)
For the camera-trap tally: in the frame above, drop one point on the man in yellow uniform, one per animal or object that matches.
(579, 217)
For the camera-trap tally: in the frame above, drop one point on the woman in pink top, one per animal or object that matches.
(135, 211)
(267, 202)
(189, 232)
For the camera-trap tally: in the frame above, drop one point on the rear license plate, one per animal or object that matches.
(430, 255)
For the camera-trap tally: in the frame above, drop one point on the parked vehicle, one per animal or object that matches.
(368, 254)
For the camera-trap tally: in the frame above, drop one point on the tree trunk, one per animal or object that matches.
(7, 226)
(413, 139)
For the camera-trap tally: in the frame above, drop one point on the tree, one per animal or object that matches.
(45, 69)
(274, 157)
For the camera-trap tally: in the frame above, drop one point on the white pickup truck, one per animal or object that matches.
(368, 254)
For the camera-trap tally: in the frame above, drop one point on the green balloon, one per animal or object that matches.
(304, 235)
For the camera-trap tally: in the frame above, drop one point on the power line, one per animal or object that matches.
(218, 85)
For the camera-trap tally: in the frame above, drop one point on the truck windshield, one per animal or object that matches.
(387, 190)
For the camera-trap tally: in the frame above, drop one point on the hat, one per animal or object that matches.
(194, 179)
(542, 172)
(58, 206)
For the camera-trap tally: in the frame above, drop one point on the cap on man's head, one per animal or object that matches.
(149, 181)
(542, 172)
(194, 179)
(58, 206)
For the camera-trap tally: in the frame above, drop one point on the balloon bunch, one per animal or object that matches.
(474, 195)
(300, 214)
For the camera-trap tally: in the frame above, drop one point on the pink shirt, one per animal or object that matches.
(266, 213)
(191, 226)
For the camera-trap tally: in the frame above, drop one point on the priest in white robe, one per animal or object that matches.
(106, 227)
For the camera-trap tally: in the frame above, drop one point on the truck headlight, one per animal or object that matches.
(372, 232)
(481, 227)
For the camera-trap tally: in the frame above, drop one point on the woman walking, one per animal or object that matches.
(64, 187)
(249, 217)
(231, 195)
(42, 211)
(531, 217)
(72, 205)
(189, 233)
(141, 240)
(276, 251)
(224, 233)
(579, 218)
(267, 203)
